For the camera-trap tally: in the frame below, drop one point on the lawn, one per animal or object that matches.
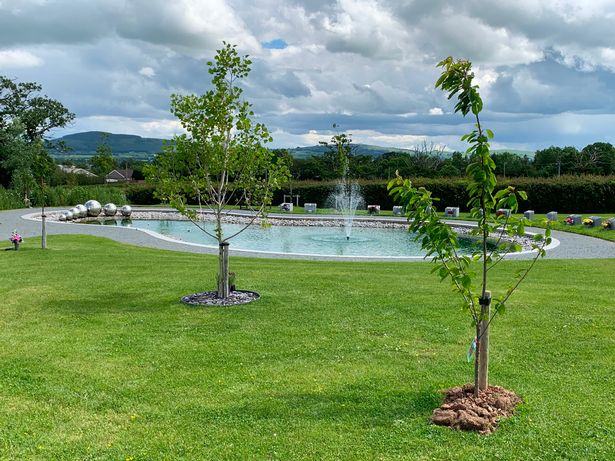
(99, 360)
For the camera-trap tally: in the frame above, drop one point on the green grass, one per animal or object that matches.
(99, 360)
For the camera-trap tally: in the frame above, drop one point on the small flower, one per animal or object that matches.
(588, 221)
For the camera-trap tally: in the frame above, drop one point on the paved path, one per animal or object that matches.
(570, 245)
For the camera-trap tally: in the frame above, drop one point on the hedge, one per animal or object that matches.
(571, 194)
(71, 196)
(574, 194)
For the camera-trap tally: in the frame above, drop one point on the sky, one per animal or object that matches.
(546, 68)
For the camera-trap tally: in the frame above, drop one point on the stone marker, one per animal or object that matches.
(373, 209)
(574, 219)
(309, 207)
(451, 211)
(552, 216)
(397, 210)
(597, 221)
(287, 207)
(529, 214)
(503, 211)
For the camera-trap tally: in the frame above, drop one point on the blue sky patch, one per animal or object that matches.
(275, 44)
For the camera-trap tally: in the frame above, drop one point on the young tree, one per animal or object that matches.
(440, 241)
(221, 161)
(338, 154)
(103, 162)
(42, 169)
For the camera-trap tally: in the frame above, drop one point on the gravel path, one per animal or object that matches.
(570, 246)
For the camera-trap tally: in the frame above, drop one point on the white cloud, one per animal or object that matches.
(160, 128)
(15, 59)
(436, 111)
(147, 72)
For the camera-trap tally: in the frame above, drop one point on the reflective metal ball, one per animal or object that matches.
(93, 208)
(76, 212)
(83, 212)
(126, 210)
(69, 215)
(62, 217)
(110, 209)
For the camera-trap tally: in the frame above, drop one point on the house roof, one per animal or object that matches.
(120, 175)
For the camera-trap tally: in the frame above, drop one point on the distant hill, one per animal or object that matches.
(122, 145)
(375, 151)
(83, 145)
(358, 149)
(520, 153)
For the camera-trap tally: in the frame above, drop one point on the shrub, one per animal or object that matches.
(574, 194)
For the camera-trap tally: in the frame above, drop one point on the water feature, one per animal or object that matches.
(346, 198)
(303, 240)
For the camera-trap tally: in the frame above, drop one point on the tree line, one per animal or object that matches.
(594, 159)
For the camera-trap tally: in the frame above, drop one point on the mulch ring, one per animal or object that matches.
(210, 298)
(461, 410)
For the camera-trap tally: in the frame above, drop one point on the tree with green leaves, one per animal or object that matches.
(103, 162)
(221, 160)
(338, 153)
(442, 244)
(26, 117)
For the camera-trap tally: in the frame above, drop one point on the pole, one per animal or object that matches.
(43, 229)
(223, 288)
(483, 341)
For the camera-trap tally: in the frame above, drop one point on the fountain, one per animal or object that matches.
(347, 198)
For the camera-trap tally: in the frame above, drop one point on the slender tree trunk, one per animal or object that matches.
(223, 287)
(43, 228)
(482, 348)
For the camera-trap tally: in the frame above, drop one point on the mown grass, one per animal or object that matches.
(99, 360)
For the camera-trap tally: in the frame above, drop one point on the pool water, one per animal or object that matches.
(306, 240)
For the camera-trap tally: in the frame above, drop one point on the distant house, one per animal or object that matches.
(74, 170)
(119, 176)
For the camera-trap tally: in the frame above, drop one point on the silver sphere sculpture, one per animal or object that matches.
(62, 217)
(69, 215)
(76, 212)
(93, 208)
(126, 210)
(83, 212)
(110, 209)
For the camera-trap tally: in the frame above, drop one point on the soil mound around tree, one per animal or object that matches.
(461, 410)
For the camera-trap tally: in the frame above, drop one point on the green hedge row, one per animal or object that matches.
(574, 194)
(580, 194)
(71, 196)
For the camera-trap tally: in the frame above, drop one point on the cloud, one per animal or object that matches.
(147, 72)
(15, 59)
(546, 70)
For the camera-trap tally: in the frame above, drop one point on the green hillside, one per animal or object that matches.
(122, 145)
(83, 145)
(358, 149)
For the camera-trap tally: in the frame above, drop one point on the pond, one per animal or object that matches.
(299, 240)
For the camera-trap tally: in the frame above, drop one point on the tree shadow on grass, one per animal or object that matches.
(369, 405)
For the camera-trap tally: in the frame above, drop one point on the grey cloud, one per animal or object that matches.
(63, 21)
